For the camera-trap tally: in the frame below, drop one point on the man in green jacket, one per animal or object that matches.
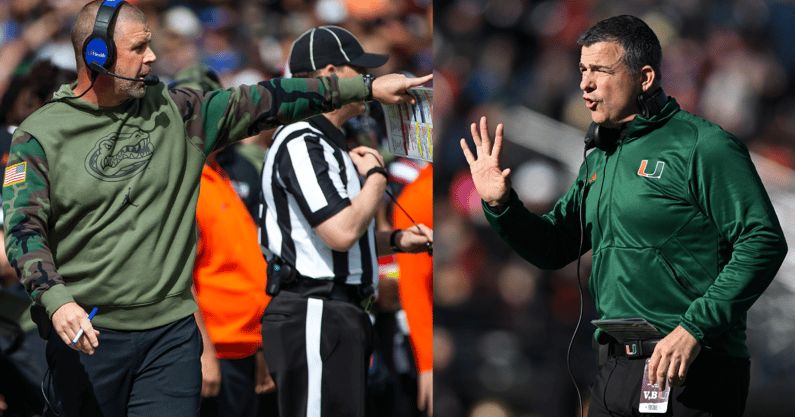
(681, 229)
(100, 199)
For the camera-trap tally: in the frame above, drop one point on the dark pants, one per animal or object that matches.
(236, 397)
(148, 373)
(318, 353)
(715, 387)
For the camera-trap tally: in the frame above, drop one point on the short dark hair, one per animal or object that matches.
(641, 46)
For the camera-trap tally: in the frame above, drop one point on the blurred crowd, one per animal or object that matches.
(502, 327)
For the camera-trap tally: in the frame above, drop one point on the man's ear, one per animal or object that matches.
(328, 70)
(647, 78)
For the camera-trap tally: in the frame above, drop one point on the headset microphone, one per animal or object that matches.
(149, 80)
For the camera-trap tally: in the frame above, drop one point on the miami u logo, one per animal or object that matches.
(631, 349)
(657, 170)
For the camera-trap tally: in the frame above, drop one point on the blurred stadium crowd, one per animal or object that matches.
(501, 326)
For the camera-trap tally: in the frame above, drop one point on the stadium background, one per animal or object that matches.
(501, 326)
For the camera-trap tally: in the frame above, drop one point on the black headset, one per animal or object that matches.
(607, 139)
(99, 51)
(99, 47)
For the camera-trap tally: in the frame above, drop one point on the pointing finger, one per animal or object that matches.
(415, 82)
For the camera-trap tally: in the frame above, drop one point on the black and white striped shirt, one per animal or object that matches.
(308, 177)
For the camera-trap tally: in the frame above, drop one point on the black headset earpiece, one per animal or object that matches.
(602, 137)
(99, 47)
(650, 105)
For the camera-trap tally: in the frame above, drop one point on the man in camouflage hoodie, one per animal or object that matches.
(100, 197)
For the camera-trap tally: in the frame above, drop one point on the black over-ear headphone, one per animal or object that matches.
(607, 139)
(650, 105)
(99, 47)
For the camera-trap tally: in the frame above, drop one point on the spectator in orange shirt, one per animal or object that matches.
(416, 282)
(229, 282)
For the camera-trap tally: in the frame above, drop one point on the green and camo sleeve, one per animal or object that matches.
(26, 202)
(218, 118)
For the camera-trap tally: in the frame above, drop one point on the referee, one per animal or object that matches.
(319, 236)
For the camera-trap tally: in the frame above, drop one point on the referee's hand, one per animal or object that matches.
(365, 158)
(412, 240)
(67, 321)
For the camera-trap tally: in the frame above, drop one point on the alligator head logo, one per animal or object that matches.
(117, 158)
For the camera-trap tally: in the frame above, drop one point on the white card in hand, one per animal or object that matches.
(652, 400)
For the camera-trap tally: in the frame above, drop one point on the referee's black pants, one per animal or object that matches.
(318, 353)
(715, 387)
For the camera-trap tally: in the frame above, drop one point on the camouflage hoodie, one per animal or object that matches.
(100, 202)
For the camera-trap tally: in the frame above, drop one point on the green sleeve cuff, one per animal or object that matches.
(55, 297)
(693, 331)
(497, 212)
(353, 90)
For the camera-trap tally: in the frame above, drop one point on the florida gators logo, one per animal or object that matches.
(117, 158)
(658, 170)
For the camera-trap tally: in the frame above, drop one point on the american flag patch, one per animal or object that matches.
(15, 174)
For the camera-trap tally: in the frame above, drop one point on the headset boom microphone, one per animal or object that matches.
(148, 80)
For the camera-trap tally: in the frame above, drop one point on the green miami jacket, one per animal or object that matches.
(681, 228)
(100, 202)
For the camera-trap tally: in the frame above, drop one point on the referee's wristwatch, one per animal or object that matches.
(392, 244)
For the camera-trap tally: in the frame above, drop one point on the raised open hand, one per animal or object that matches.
(492, 182)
